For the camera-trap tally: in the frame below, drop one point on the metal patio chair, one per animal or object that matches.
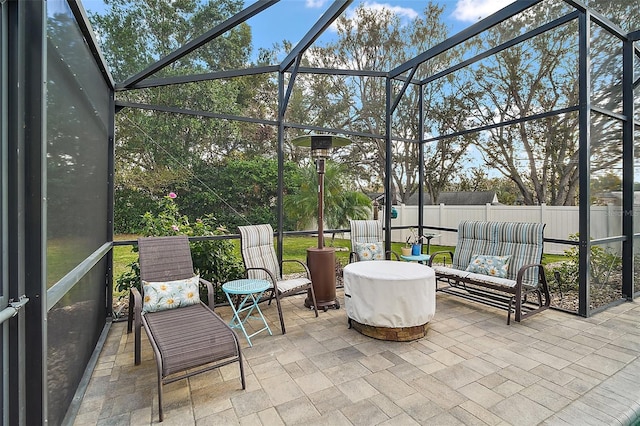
(186, 340)
(261, 262)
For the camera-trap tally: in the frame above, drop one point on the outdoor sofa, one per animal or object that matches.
(496, 263)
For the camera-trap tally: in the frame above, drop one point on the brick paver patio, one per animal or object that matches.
(471, 368)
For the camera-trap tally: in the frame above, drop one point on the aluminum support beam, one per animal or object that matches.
(4, 207)
(282, 106)
(506, 123)
(111, 170)
(584, 119)
(628, 167)
(526, 36)
(89, 36)
(388, 183)
(402, 91)
(281, 109)
(27, 53)
(13, 18)
(174, 110)
(318, 28)
(194, 78)
(73, 277)
(194, 44)
(462, 36)
(421, 162)
(598, 18)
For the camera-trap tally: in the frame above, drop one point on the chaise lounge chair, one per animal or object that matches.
(187, 337)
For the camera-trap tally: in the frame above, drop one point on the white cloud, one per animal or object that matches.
(474, 10)
(315, 4)
(402, 12)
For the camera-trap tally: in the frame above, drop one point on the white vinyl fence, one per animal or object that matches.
(561, 221)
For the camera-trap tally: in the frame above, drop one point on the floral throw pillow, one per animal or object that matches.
(370, 251)
(495, 266)
(160, 296)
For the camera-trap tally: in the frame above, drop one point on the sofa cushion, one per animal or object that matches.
(450, 272)
(488, 279)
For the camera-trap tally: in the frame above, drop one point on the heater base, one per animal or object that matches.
(322, 265)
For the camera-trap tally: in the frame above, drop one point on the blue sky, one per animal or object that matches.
(291, 19)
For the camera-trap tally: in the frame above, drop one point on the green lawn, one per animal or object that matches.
(294, 248)
(122, 255)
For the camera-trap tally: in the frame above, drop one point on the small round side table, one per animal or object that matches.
(249, 289)
(420, 258)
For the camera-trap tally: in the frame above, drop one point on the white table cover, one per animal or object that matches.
(385, 293)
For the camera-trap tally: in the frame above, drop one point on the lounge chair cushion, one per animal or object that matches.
(164, 295)
(190, 337)
(369, 251)
(495, 266)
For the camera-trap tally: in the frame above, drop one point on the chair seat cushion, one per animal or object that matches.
(453, 273)
(488, 279)
(287, 285)
(190, 337)
(450, 272)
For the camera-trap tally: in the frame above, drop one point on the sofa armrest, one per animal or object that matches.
(542, 279)
(524, 268)
(441, 253)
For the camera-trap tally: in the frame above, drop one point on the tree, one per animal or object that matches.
(238, 191)
(341, 203)
(156, 151)
(540, 75)
(378, 39)
(476, 179)
(135, 34)
(608, 182)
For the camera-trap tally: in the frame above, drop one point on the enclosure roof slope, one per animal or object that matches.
(265, 17)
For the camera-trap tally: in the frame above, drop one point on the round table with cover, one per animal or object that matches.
(390, 300)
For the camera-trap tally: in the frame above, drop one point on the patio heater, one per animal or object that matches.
(322, 260)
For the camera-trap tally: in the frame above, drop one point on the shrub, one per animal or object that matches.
(214, 260)
(603, 261)
(129, 208)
